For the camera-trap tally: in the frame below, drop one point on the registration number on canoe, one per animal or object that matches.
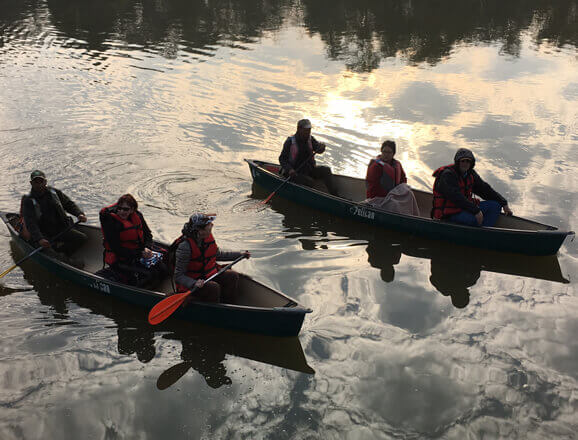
(362, 212)
(99, 285)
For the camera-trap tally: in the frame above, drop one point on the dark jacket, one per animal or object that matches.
(448, 185)
(45, 214)
(304, 155)
(111, 230)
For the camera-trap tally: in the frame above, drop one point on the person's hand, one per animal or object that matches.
(291, 172)
(320, 148)
(147, 253)
(507, 210)
(199, 284)
(480, 218)
(246, 254)
(82, 218)
(44, 243)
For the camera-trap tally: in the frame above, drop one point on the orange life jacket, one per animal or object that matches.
(443, 207)
(393, 172)
(131, 235)
(203, 262)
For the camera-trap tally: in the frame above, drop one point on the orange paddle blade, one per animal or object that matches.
(166, 307)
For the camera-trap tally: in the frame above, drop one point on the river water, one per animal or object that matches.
(408, 338)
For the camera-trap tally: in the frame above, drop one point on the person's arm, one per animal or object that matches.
(182, 258)
(29, 216)
(147, 234)
(372, 179)
(485, 191)
(111, 231)
(403, 178)
(68, 205)
(318, 147)
(285, 157)
(449, 187)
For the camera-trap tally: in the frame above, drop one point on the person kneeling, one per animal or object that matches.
(196, 260)
(127, 245)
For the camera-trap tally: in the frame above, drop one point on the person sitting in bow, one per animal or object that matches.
(196, 258)
(297, 161)
(44, 215)
(128, 244)
(453, 194)
(386, 183)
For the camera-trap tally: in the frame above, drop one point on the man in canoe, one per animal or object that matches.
(453, 191)
(297, 158)
(44, 215)
(196, 258)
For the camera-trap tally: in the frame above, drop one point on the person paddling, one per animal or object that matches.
(196, 260)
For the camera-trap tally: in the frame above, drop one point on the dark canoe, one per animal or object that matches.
(511, 234)
(260, 309)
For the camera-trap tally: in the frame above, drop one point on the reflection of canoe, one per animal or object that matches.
(385, 247)
(260, 309)
(201, 343)
(511, 234)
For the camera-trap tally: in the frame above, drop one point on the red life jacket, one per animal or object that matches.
(393, 172)
(443, 207)
(131, 235)
(203, 263)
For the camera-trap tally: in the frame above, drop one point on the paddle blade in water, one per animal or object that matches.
(170, 376)
(166, 307)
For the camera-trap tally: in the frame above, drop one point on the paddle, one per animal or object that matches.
(264, 202)
(167, 306)
(38, 249)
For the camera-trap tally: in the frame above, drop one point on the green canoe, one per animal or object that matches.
(260, 309)
(511, 234)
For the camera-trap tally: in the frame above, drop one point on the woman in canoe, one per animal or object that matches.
(128, 245)
(386, 183)
(196, 258)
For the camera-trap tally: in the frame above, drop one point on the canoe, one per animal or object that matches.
(259, 309)
(510, 234)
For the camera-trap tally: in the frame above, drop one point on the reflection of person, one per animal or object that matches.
(453, 191)
(206, 358)
(196, 260)
(384, 256)
(297, 159)
(453, 277)
(128, 242)
(44, 216)
(386, 183)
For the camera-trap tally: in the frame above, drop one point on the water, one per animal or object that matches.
(408, 338)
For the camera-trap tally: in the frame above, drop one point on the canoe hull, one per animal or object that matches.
(542, 242)
(278, 321)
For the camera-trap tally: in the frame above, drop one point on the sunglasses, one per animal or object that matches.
(123, 208)
(466, 160)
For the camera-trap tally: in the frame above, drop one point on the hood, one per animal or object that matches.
(464, 153)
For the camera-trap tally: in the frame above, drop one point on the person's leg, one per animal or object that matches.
(229, 281)
(303, 179)
(325, 174)
(70, 241)
(210, 292)
(463, 218)
(491, 210)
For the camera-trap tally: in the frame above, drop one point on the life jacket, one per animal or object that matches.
(390, 177)
(443, 207)
(21, 225)
(203, 263)
(294, 152)
(131, 235)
